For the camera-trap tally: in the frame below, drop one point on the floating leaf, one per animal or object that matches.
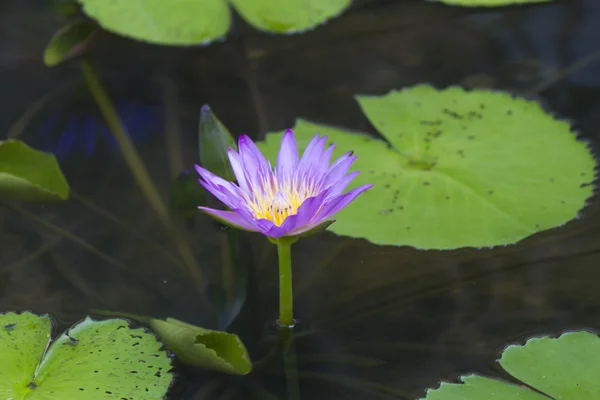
(477, 168)
(92, 360)
(28, 174)
(490, 3)
(174, 22)
(204, 348)
(70, 41)
(289, 16)
(563, 368)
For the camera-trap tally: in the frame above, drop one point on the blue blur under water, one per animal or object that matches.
(86, 132)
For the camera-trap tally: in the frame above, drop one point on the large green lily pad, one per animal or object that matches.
(289, 16)
(28, 174)
(490, 3)
(564, 368)
(460, 169)
(170, 22)
(91, 360)
(188, 22)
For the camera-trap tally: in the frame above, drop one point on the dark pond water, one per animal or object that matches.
(378, 322)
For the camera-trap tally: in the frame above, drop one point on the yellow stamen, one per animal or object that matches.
(276, 200)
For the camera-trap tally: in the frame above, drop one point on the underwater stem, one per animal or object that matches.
(138, 169)
(286, 300)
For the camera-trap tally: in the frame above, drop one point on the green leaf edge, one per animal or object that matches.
(46, 194)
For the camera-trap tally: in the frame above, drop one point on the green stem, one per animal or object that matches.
(286, 337)
(286, 297)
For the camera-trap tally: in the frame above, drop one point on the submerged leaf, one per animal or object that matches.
(187, 195)
(213, 140)
(204, 348)
(173, 22)
(28, 174)
(70, 41)
(289, 16)
(92, 360)
(461, 168)
(560, 368)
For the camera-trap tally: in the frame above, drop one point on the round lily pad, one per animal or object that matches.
(91, 360)
(490, 3)
(559, 368)
(289, 16)
(459, 169)
(169, 22)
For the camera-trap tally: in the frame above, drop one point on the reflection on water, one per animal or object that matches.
(377, 322)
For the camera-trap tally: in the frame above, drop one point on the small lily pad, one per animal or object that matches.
(460, 169)
(289, 16)
(70, 41)
(91, 360)
(559, 368)
(205, 348)
(28, 174)
(490, 3)
(172, 22)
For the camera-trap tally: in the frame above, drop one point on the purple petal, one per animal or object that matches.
(268, 228)
(336, 205)
(321, 167)
(238, 168)
(341, 159)
(311, 155)
(255, 164)
(310, 226)
(287, 159)
(223, 190)
(306, 212)
(231, 218)
(338, 169)
(337, 188)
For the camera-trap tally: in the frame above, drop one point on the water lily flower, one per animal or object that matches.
(295, 197)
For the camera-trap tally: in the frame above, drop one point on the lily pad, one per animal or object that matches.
(490, 3)
(559, 368)
(205, 348)
(28, 174)
(70, 41)
(188, 22)
(460, 169)
(91, 360)
(172, 22)
(289, 16)
(200, 347)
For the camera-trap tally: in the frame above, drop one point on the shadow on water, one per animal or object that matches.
(377, 322)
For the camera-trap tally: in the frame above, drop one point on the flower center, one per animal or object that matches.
(276, 201)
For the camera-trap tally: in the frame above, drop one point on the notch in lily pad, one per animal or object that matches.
(29, 174)
(566, 367)
(92, 360)
(459, 168)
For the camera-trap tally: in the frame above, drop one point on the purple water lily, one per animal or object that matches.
(295, 197)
